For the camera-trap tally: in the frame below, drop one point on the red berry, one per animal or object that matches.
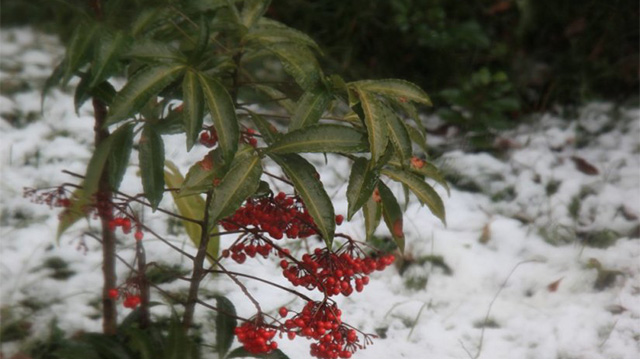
(113, 293)
(339, 219)
(139, 235)
(283, 312)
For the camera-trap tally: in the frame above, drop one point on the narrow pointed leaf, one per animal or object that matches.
(377, 128)
(310, 108)
(53, 80)
(193, 107)
(372, 212)
(223, 115)
(418, 138)
(299, 62)
(362, 182)
(78, 50)
(120, 154)
(190, 207)
(252, 10)
(140, 88)
(276, 95)
(225, 325)
(281, 33)
(321, 138)
(151, 159)
(203, 40)
(150, 51)
(315, 198)
(398, 90)
(399, 136)
(427, 170)
(96, 166)
(425, 193)
(240, 182)
(110, 49)
(392, 214)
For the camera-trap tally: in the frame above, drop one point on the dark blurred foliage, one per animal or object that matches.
(484, 62)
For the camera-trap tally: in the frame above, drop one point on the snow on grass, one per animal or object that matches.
(533, 208)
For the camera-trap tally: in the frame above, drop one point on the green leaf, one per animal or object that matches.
(178, 344)
(392, 214)
(190, 207)
(202, 41)
(107, 346)
(120, 152)
(150, 51)
(280, 33)
(399, 136)
(96, 166)
(397, 90)
(193, 107)
(200, 177)
(321, 138)
(52, 81)
(376, 123)
(310, 108)
(142, 344)
(276, 95)
(418, 138)
(73, 349)
(107, 56)
(104, 91)
(78, 50)
(225, 325)
(72, 214)
(299, 62)
(267, 130)
(151, 158)
(252, 10)
(140, 88)
(428, 170)
(241, 352)
(223, 114)
(315, 198)
(362, 182)
(240, 182)
(425, 193)
(372, 212)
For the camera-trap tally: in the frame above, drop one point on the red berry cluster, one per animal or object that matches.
(53, 198)
(209, 137)
(249, 246)
(334, 272)
(321, 321)
(130, 300)
(256, 337)
(125, 223)
(276, 215)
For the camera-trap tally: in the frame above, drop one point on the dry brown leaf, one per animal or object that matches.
(585, 167)
(553, 286)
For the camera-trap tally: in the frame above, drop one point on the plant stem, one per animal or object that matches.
(198, 268)
(105, 212)
(145, 319)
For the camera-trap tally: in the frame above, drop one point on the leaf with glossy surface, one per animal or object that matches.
(150, 51)
(96, 166)
(252, 10)
(107, 56)
(78, 50)
(321, 138)
(140, 88)
(399, 136)
(190, 207)
(240, 182)
(223, 114)
(362, 182)
(392, 214)
(299, 62)
(376, 123)
(398, 90)
(225, 325)
(425, 193)
(280, 33)
(310, 108)
(200, 177)
(151, 159)
(119, 156)
(78, 203)
(316, 200)
(193, 107)
(372, 212)
(267, 130)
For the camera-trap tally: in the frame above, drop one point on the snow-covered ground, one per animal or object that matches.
(565, 193)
